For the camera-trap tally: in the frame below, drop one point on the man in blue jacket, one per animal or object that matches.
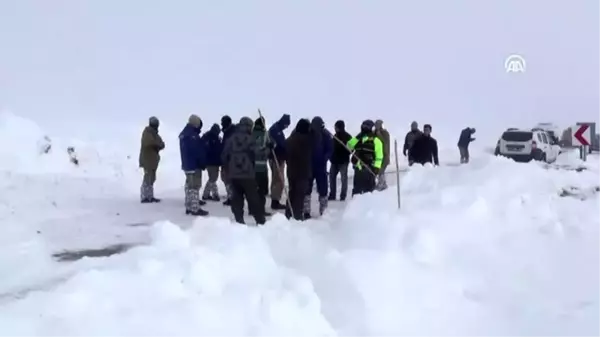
(193, 161)
(228, 129)
(322, 149)
(214, 146)
(277, 177)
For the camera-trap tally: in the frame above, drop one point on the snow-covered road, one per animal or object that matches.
(493, 247)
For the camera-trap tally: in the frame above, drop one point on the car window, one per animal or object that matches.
(540, 138)
(517, 136)
(545, 138)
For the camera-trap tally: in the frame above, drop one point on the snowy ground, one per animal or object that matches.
(490, 248)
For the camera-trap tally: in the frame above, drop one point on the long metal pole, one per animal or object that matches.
(397, 171)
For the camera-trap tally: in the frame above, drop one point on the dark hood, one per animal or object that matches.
(225, 122)
(215, 129)
(317, 126)
(317, 123)
(259, 125)
(245, 125)
(303, 127)
(284, 121)
(190, 130)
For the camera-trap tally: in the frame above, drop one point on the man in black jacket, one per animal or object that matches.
(299, 168)
(228, 128)
(466, 137)
(340, 160)
(424, 148)
(413, 134)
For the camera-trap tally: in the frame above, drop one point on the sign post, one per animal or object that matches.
(592, 137)
(582, 137)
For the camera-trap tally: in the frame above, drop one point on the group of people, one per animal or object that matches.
(420, 147)
(242, 155)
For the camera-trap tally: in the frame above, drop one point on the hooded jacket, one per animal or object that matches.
(299, 146)
(278, 137)
(151, 145)
(263, 144)
(322, 147)
(192, 149)
(214, 145)
(239, 151)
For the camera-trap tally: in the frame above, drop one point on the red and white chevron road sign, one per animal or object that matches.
(582, 135)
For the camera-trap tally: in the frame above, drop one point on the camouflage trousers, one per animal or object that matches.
(147, 188)
(211, 189)
(193, 182)
(381, 181)
(322, 204)
(227, 182)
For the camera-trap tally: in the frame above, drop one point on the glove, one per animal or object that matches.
(375, 170)
(404, 152)
(270, 146)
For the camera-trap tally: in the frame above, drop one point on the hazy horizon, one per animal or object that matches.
(72, 62)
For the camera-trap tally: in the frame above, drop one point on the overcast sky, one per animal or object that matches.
(434, 61)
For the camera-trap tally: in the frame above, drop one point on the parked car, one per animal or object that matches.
(527, 145)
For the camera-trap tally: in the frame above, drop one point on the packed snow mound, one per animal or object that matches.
(492, 247)
(28, 149)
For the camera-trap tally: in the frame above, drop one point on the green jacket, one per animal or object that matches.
(151, 145)
(378, 145)
(262, 151)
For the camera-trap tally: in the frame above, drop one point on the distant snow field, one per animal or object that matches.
(492, 247)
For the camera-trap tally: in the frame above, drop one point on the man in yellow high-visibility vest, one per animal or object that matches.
(369, 149)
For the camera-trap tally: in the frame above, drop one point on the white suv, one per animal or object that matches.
(527, 145)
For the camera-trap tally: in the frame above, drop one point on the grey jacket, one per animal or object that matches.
(239, 152)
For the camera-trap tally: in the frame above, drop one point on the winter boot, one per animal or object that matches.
(331, 198)
(198, 212)
(192, 198)
(381, 183)
(277, 206)
(211, 198)
(146, 193)
(322, 205)
(267, 214)
(342, 198)
(227, 202)
(306, 216)
(307, 204)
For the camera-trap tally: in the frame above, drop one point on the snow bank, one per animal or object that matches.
(485, 248)
(28, 149)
